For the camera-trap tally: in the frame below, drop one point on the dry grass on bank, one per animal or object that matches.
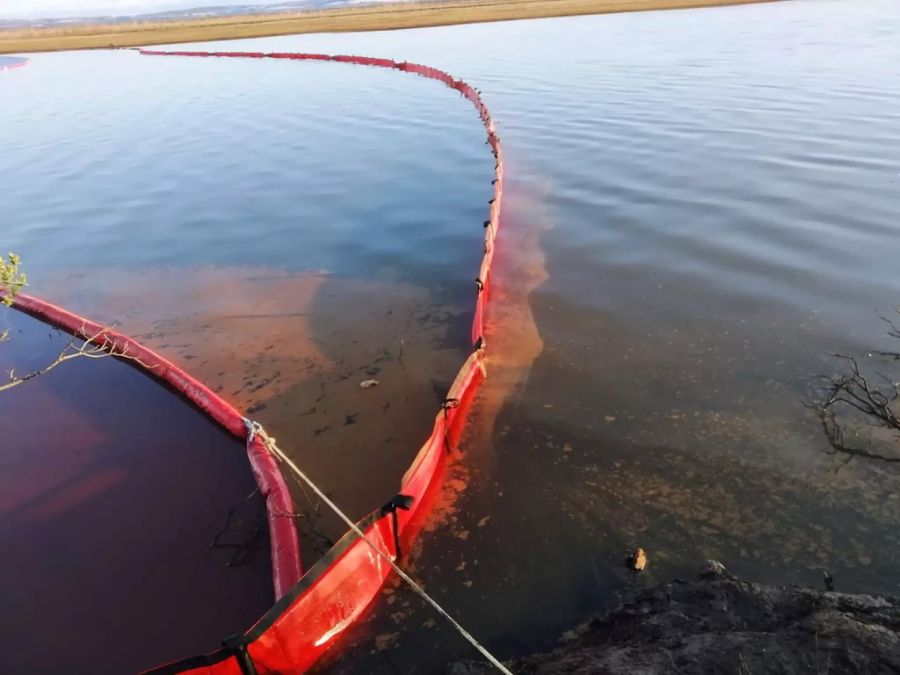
(351, 19)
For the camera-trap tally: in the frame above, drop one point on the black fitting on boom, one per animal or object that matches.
(234, 645)
(403, 502)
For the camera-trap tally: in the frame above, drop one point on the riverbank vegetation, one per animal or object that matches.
(12, 281)
(389, 16)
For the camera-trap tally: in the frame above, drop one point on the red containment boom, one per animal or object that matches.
(12, 62)
(312, 610)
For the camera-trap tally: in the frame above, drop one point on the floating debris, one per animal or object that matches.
(368, 384)
(637, 560)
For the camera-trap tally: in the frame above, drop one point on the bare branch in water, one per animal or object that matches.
(95, 346)
(835, 435)
(894, 332)
(875, 399)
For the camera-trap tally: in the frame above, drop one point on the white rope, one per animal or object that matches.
(256, 429)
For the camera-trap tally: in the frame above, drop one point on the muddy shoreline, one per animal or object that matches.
(720, 623)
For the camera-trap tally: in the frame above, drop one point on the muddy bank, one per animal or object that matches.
(722, 624)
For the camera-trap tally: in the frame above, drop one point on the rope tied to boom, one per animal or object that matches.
(255, 429)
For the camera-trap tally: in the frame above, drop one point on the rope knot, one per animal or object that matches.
(255, 429)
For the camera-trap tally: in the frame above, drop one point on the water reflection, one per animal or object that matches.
(705, 205)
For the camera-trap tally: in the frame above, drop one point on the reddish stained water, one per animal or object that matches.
(12, 62)
(227, 282)
(111, 490)
(721, 208)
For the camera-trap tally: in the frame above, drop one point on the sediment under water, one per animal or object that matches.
(711, 196)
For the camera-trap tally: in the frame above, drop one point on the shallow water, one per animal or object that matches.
(702, 205)
(327, 252)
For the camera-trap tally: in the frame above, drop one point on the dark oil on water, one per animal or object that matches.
(702, 206)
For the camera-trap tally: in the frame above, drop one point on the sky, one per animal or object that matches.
(47, 9)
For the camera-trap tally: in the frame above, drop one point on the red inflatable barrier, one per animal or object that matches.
(286, 568)
(312, 610)
(11, 62)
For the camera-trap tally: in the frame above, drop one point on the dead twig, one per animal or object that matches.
(835, 435)
(243, 550)
(894, 332)
(874, 398)
(853, 389)
(96, 346)
(322, 541)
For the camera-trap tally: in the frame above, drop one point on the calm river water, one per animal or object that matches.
(702, 206)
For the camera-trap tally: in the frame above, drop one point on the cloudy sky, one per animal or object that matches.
(39, 9)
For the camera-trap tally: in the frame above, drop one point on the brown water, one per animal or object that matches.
(702, 205)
